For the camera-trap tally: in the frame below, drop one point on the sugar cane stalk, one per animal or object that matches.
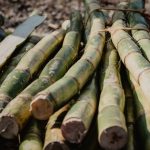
(136, 20)
(32, 138)
(142, 110)
(130, 53)
(129, 111)
(56, 95)
(54, 139)
(112, 131)
(17, 112)
(78, 120)
(28, 65)
(15, 60)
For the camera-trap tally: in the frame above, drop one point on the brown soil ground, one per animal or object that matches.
(16, 11)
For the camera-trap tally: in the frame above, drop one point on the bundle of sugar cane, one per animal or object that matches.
(130, 53)
(1, 20)
(29, 64)
(56, 95)
(17, 112)
(21, 33)
(54, 139)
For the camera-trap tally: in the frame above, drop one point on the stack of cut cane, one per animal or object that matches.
(83, 86)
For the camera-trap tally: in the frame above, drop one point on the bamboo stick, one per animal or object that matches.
(54, 139)
(17, 112)
(112, 131)
(78, 119)
(130, 53)
(32, 138)
(56, 95)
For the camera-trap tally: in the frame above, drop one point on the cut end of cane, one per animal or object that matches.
(41, 108)
(56, 146)
(66, 24)
(9, 128)
(113, 138)
(73, 130)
